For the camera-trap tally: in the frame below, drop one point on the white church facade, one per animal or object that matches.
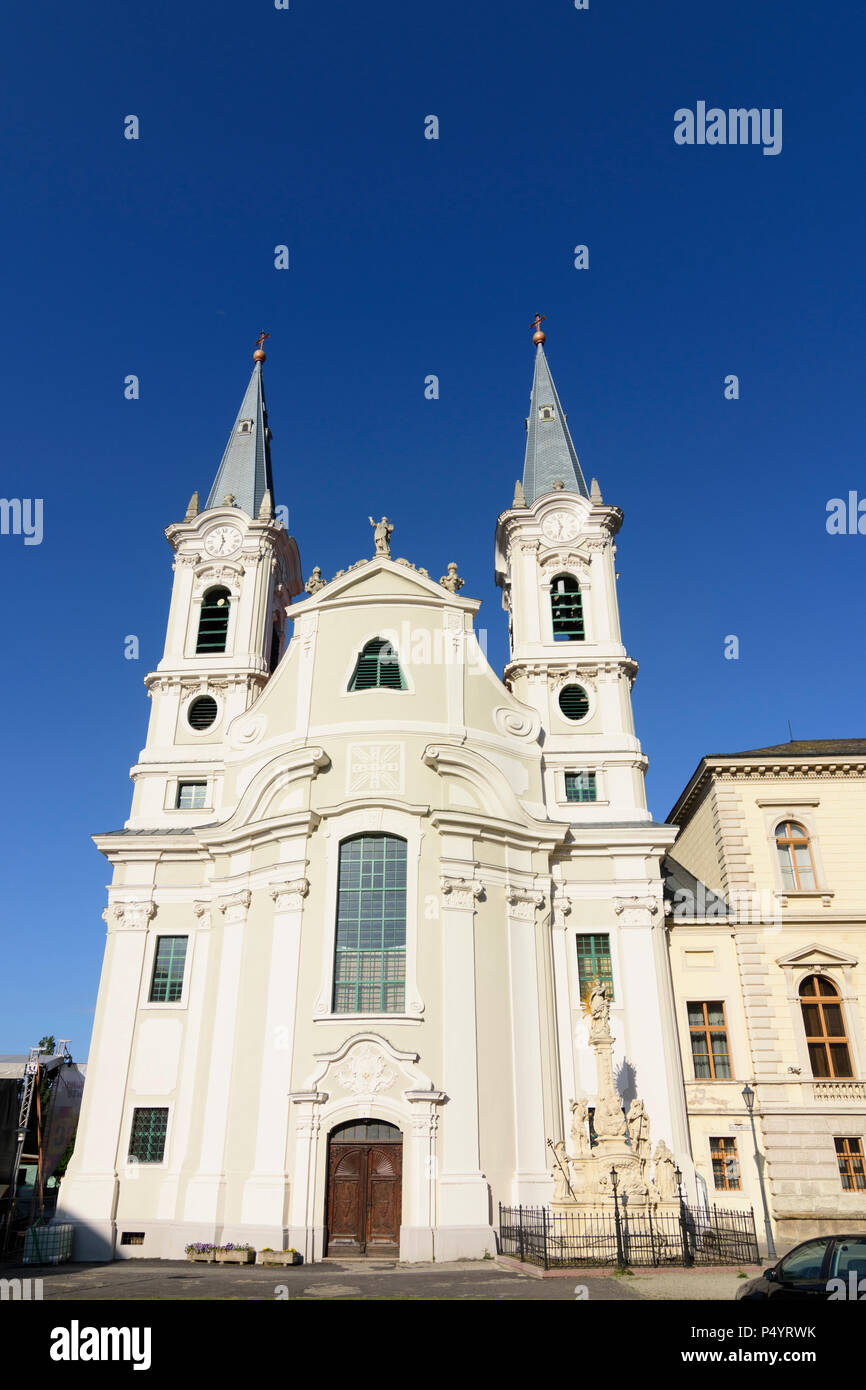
(366, 886)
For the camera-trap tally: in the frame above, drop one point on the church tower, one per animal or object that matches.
(555, 564)
(236, 570)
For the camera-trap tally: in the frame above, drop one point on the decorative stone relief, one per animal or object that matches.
(235, 908)
(516, 724)
(461, 893)
(523, 903)
(131, 916)
(289, 896)
(365, 1072)
(374, 767)
(634, 911)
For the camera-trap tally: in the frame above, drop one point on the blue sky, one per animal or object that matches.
(409, 256)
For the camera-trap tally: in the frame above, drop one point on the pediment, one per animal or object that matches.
(816, 954)
(381, 578)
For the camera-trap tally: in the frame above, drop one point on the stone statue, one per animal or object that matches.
(382, 532)
(315, 582)
(639, 1128)
(665, 1174)
(599, 1008)
(451, 581)
(561, 1192)
(580, 1145)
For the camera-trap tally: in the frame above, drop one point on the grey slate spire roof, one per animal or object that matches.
(245, 470)
(550, 454)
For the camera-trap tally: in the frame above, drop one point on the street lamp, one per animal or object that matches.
(620, 1253)
(749, 1098)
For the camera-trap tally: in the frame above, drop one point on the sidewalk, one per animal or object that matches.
(672, 1283)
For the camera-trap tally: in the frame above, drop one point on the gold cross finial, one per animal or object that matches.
(259, 354)
(538, 337)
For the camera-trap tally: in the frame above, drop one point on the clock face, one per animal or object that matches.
(560, 526)
(222, 540)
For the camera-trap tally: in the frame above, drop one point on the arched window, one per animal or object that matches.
(370, 951)
(566, 606)
(213, 625)
(795, 856)
(825, 1028)
(378, 667)
(276, 647)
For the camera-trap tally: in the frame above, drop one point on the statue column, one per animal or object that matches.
(531, 1183)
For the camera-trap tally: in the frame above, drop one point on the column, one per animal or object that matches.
(531, 1184)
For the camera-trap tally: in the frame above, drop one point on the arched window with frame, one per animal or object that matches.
(566, 608)
(213, 623)
(796, 864)
(370, 947)
(824, 1022)
(378, 668)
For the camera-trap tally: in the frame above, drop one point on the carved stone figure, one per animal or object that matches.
(639, 1128)
(599, 1009)
(580, 1145)
(665, 1174)
(315, 581)
(382, 532)
(451, 581)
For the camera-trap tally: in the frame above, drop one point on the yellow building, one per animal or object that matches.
(767, 915)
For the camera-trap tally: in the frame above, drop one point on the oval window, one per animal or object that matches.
(574, 701)
(202, 712)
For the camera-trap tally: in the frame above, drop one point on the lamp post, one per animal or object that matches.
(749, 1097)
(688, 1253)
(614, 1182)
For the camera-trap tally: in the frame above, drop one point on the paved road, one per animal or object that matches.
(345, 1279)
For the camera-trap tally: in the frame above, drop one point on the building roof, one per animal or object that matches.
(799, 748)
(550, 454)
(245, 471)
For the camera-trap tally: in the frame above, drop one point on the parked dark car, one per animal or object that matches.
(829, 1267)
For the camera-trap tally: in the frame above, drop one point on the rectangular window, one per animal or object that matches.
(849, 1155)
(726, 1165)
(147, 1137)
(580, 786)
(593, 962)
(191, 796)
(370, 955)
(709, 1036)
(166, 986)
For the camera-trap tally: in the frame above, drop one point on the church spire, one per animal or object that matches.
(551, 457)
(245, 471)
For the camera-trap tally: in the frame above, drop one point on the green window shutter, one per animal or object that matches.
(370, 951)
(593, 962)
(378, 667)
(166, 986)
(213, 623)
(566, 607)
(147, 1136)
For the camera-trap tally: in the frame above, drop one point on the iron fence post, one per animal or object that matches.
(620, 1258)
(520, 1228)
(544, 1228)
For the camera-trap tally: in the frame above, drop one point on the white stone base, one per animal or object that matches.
(463, 1243)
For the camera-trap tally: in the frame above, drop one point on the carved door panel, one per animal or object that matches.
(384, 1173)
(347, 1193)
(364, 1198)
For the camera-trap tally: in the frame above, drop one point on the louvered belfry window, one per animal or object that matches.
(213, 624)
(378, 667)
(566, 606)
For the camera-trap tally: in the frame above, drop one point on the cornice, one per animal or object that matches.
(778, 770)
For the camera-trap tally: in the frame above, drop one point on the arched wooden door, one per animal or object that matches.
(365, 1173)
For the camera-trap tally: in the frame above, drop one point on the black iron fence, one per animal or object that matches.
(694, 1236)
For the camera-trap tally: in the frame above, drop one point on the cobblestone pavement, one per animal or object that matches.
(135, 1280)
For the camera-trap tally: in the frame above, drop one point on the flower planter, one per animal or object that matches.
(280, 1257)
(207, 1257)
(235, 1257)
